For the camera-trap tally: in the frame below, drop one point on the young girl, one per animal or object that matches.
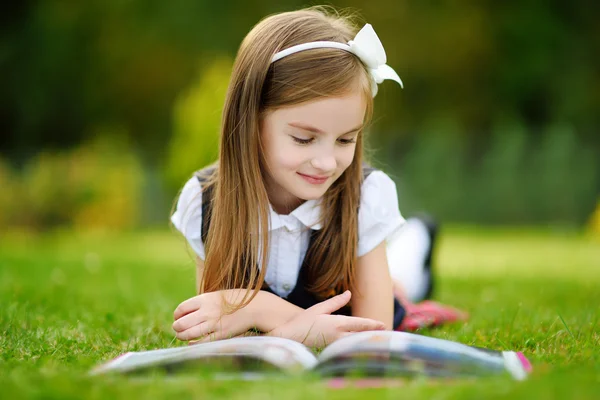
(289, 226)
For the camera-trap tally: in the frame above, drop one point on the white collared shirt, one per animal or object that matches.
(378, 218)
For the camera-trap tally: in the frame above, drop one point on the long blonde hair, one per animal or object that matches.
(238, 233)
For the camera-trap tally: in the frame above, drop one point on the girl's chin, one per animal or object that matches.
(310, 194)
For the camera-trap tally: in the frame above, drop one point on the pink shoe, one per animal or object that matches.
(428, 314)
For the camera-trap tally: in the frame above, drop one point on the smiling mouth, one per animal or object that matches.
(314, 179)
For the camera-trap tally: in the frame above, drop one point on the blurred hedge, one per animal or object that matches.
(515, 179)
(498, 121)
(97, 185)
(196, 123)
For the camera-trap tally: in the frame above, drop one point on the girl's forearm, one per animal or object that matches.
(270, 311)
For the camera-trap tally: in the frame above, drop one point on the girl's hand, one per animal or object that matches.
(202, 317)
(315, 327)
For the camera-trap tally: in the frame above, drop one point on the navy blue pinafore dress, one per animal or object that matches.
(299, 296)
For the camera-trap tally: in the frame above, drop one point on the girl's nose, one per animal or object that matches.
(324, 163)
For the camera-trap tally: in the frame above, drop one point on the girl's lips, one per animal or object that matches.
(316, 180)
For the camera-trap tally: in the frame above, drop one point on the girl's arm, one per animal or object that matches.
(270, 311)
(200, 317)
(373, 296)
(314, 326)
(266, 311)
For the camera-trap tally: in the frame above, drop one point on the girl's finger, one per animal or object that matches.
(188, 321)
(188, 306)
(213, 336)
(330, 305)
(197, 331)
(357, 324)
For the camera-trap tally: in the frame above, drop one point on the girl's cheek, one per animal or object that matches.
(290, 160)
(291, 157)
(346, 157)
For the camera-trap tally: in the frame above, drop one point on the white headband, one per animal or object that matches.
(366, 46)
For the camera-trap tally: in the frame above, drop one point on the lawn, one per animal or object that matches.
(69, 301)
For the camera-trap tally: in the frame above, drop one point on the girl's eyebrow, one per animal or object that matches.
(317, 130)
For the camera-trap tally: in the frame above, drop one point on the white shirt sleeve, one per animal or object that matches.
(187, 217)
(378, 215)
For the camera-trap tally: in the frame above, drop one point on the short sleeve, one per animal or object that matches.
(378, 215)
(187, 217)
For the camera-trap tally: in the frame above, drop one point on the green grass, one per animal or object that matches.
(69, 301)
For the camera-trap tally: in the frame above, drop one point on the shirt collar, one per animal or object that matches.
(308, 213)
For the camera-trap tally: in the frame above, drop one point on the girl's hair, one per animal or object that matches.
(239, 228)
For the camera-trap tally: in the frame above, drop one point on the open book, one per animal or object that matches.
(376, 353)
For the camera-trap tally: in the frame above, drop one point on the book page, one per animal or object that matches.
(408, 354)
(282, 353)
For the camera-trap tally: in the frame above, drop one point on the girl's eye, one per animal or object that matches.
(347, 141)
(302, 141)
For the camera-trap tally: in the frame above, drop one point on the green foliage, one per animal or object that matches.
(80, 299)
(498, 121)
(197, 122)
(9, 195)
(515, 179)
(594, 222)
(96, 185)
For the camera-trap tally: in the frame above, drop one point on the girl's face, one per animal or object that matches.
(308, 146)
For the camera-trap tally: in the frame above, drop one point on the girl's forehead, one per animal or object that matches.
(334, 115)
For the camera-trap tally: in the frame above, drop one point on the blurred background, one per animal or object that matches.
(107, 107)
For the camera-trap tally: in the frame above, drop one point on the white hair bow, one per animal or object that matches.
(366, 46)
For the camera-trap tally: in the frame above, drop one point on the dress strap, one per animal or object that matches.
(366, 170)
(207, 196)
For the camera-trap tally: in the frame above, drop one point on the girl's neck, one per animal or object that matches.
(281, 200)
(284, 205)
